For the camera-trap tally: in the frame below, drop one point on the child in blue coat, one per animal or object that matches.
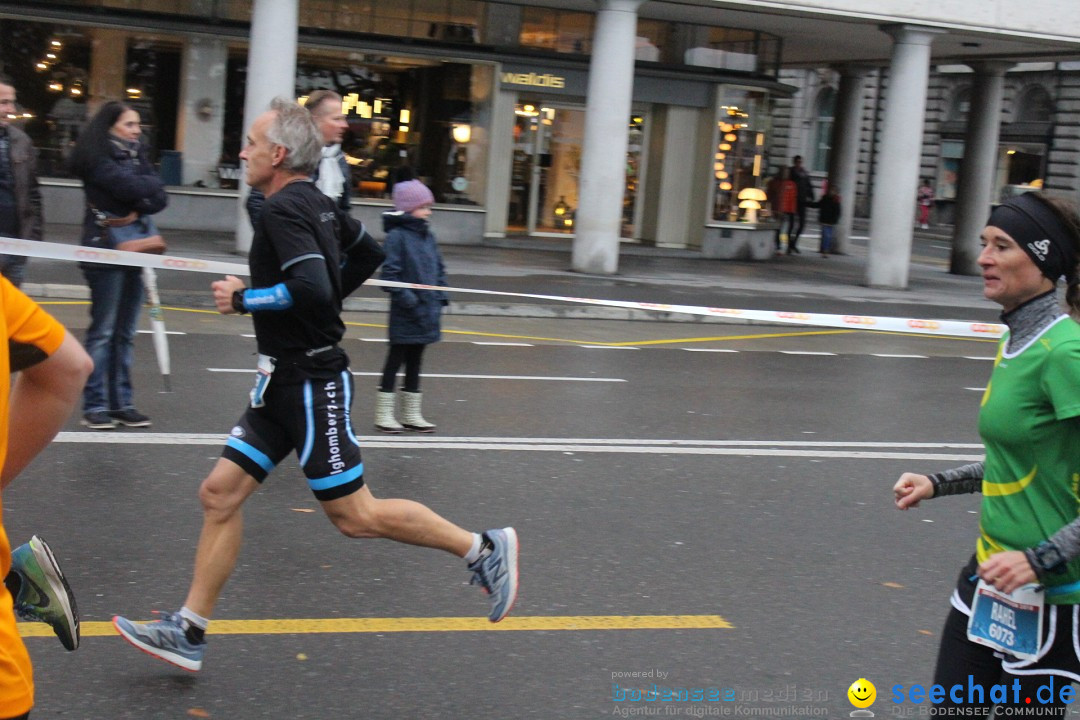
(412, 256)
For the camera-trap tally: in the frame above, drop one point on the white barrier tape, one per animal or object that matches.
(82, 253)
(951, 328)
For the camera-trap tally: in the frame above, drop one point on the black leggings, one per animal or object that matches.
(408, 354)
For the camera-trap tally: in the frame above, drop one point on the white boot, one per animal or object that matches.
(384, 414)
(410, 413)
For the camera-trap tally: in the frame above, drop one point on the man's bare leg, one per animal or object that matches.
(222, 494)
(361, 515)
(178, 639)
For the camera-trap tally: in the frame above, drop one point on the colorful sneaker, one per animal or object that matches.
(163, 639)
(43, 594)
(130, 417)
(497, 572)
(99, 420)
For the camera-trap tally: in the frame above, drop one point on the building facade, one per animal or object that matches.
(1039, 131)
(607, 120)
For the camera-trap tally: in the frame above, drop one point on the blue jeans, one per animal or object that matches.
(116, 296)
(827, 238)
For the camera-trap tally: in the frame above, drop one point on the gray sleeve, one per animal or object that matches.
(958, 481)
(1067, 539)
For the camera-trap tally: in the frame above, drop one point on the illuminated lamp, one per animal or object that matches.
(751, 199)
(462, 133)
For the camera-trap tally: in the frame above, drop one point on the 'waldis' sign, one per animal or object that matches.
(547, 80)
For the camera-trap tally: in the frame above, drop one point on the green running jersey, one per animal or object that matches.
(1030, 427)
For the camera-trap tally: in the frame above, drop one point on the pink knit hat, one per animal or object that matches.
(411, 195)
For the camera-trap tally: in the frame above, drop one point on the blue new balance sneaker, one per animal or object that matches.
(497, 572)
(163, 639)
(40, 591)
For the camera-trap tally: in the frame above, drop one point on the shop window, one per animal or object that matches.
(948, 172)
(823, 126)
(443, 20)
(50, 67)
(960, 104)
(738, 168)
(557, 30)
(652, 38)
(1034, 105)
(1020, 168)
(407, 117)
(734, 49)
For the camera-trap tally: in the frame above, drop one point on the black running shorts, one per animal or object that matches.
(311, 417)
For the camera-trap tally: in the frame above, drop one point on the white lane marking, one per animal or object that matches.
(608, 347)
(167, 332)
(379, 340)
(503, 344)
(976, 357)
(459, 377)
(805, 352)
(721, 350)
(627, 446)
(982, 389)
(890, 355)
(194, 438)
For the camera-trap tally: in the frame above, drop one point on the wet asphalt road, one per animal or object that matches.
(678, 478)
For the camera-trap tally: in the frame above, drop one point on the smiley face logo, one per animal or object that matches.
(862, 693)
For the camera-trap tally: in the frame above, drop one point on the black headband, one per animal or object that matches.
(1040, 232)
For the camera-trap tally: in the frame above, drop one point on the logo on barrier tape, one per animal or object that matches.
(175, 262)
(92, 254)
(859, 320)
(985, 328)
(792, 316)
(924, 324)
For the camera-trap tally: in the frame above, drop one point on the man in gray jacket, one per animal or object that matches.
(20, 198)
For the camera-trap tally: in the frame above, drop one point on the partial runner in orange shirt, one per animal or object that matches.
(52, 369)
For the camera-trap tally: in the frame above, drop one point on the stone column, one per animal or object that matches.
(896, 177)
(844, 159)
(108, 63)
(201, 120)
(499, 163)
(271, 72)
(607, 115)
(679, 215)
(975, 187)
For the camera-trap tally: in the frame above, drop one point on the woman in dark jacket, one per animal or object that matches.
(412, 256)
(122, 192)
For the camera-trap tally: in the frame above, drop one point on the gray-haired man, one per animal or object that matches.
(304, 260)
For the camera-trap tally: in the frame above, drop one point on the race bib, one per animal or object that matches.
(1009, 622)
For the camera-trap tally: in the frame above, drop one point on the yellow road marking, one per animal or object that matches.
(422, 624)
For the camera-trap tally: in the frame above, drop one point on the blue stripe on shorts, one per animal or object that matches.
(258, 457)
(332, 481)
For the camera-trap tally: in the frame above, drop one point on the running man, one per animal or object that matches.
(304, 260)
